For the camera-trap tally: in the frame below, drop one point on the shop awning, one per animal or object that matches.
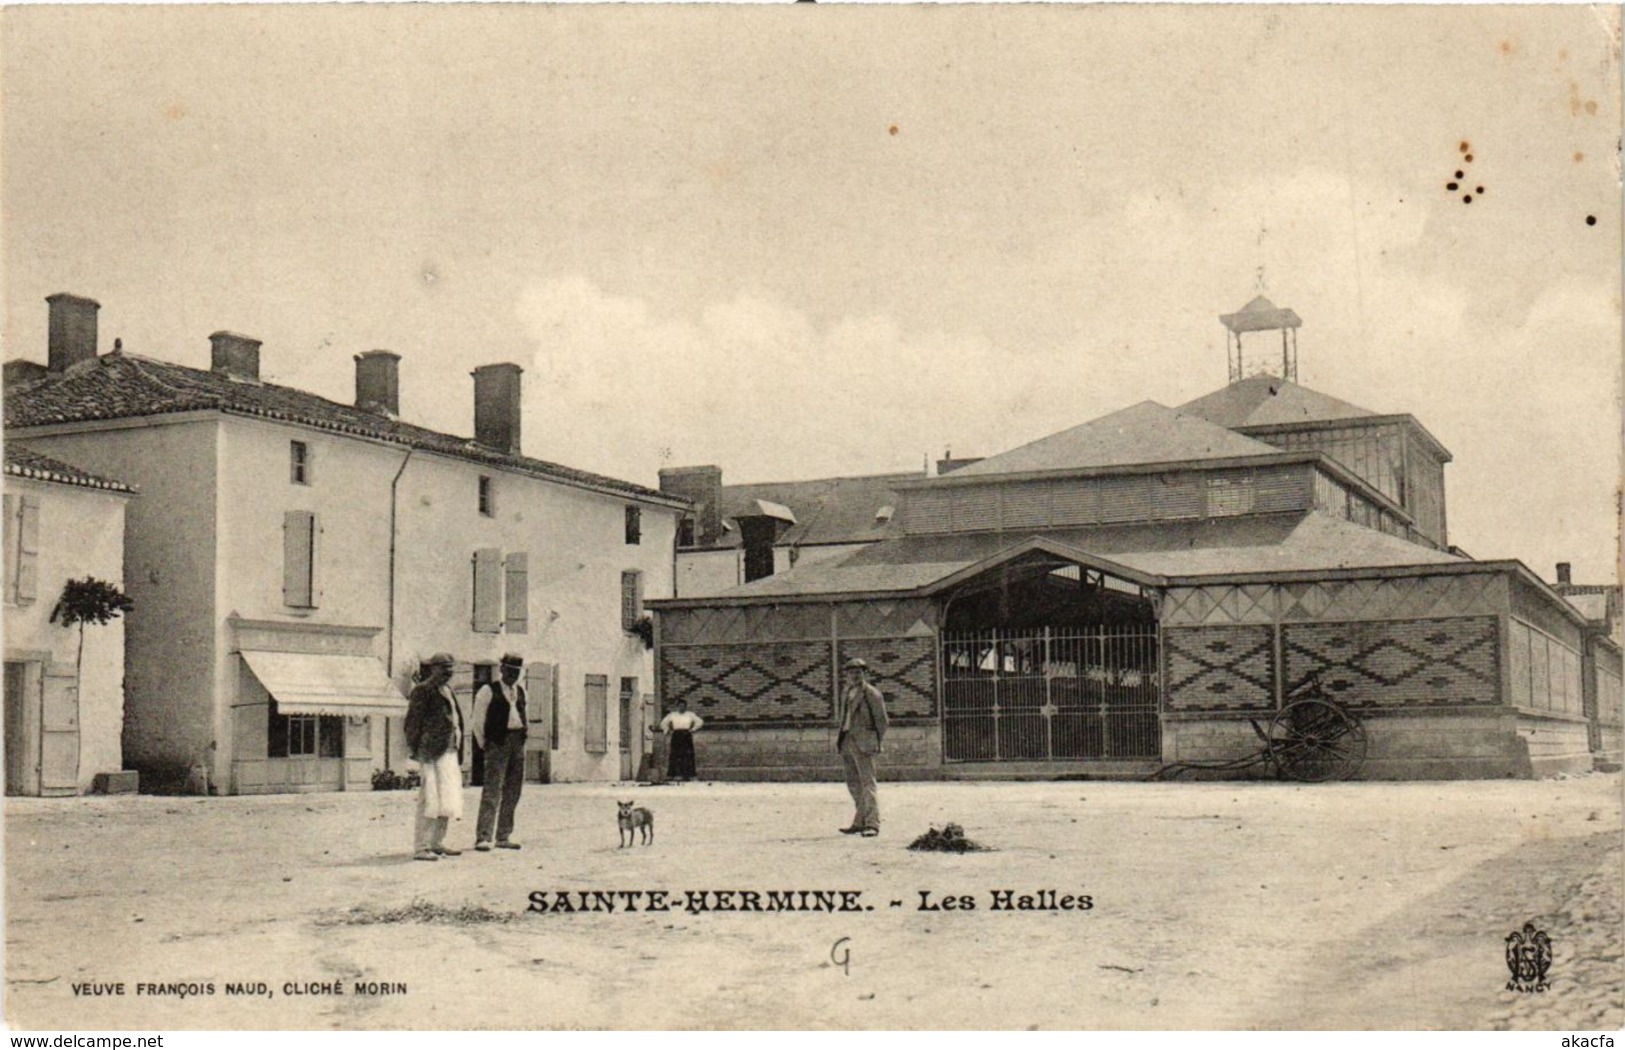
(321, 684)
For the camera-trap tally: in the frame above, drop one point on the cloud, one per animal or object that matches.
(752, 385)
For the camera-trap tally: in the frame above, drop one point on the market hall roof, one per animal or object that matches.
(1142, 433)
(24, 462)
(121, 385)
(1151, 552)
(1264, 400)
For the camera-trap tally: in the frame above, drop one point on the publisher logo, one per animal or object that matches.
(1529, 956)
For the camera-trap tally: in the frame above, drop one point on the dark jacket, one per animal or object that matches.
(429, 724)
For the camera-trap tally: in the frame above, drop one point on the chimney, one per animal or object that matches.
(72, 336)
(496, 406)
(1564, 574)
(701, 486)
(378, 382)
(235, 355)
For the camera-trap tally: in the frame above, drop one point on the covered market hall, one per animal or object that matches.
(1140, 590)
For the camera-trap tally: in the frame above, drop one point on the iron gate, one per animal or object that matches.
(1050, 693)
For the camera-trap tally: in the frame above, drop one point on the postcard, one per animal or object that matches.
(812, 517)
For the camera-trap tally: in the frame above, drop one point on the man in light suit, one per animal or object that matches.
(862, 734)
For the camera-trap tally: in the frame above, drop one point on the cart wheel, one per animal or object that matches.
(1314, 740)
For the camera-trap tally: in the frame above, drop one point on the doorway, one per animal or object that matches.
(1047, 660)
(22, 728)
(629, 695)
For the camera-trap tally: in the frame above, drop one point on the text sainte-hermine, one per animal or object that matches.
(695, 902)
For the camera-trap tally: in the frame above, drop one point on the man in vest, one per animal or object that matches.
(499, 729)
(863, 729)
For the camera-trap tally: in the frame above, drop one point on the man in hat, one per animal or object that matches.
(863, 730)
(499, 729)
(434, 733)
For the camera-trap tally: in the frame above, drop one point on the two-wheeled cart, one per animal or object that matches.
(1311, 738)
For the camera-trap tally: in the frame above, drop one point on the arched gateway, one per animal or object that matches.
(1044, 658)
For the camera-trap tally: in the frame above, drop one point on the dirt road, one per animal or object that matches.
(1210, 906)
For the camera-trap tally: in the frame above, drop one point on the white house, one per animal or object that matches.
(293, 559)
(64, 709)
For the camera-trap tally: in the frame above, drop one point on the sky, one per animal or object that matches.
(800, 241)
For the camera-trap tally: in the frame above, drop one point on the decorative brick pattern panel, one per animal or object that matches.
(1220, 668)
(903, 669)
(1404, 663)
(769, 682)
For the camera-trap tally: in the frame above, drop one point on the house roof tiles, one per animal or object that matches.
(121, 386)
(24, 462)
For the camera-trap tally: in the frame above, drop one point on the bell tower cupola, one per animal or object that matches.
(1261, 315)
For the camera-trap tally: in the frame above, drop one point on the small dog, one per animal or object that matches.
(630, 820)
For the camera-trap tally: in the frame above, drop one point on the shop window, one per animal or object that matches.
(304, 736)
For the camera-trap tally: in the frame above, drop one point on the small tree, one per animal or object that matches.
(89, 601)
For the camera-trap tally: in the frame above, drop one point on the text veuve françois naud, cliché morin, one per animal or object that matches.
(696, 902)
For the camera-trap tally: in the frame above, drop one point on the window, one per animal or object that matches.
(631, 599)
(22, 548)
(488, 571)
(299, 462)
(501, 591)
(685, 531)
(634, 524)
(488, 498)
(299, 532)
(303, 736)
(596, 731)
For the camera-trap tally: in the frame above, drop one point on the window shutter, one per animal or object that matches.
(316, 532)
(28, 551)
(538, 691)
(487, 590)
(10, 526)
(516, 593)
(596, 730)
(298, 538)
(553, 708)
